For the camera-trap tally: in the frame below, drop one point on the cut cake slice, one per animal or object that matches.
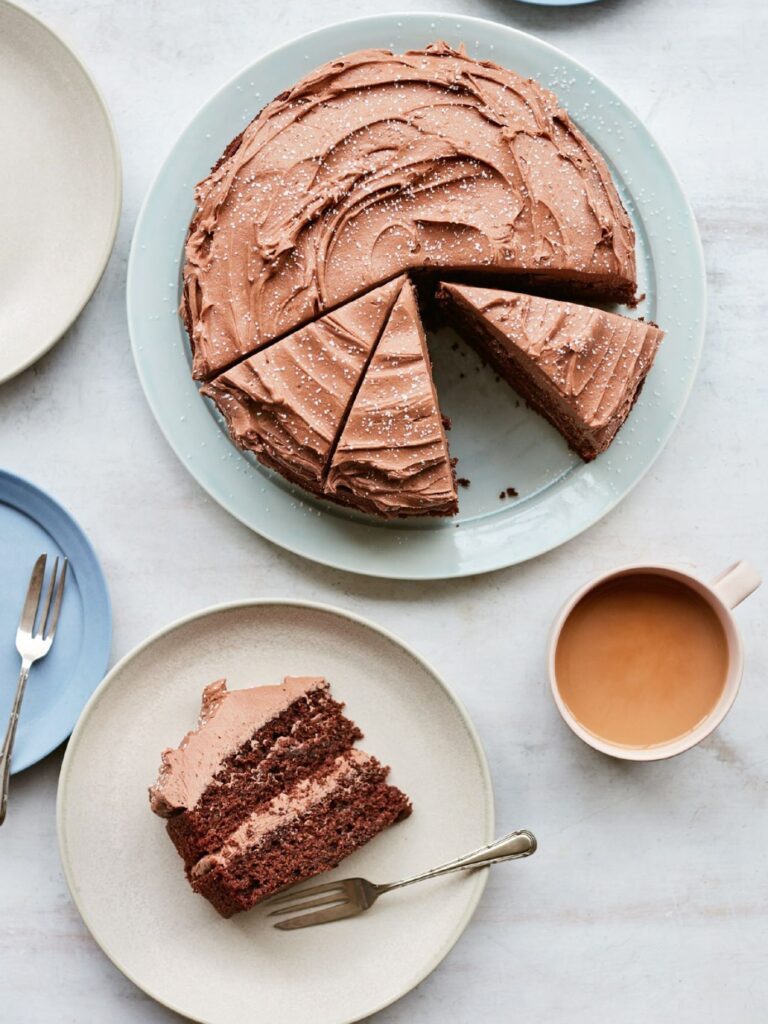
(268, 790)
(392, 457)
(581, 368)
(287, 402)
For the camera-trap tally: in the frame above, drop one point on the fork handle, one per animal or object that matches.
(510, 847)
(10, 736)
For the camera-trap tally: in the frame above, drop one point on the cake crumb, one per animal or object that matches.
(462, 481)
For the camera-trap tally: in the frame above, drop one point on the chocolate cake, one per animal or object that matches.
(287, 403)
(392, 457)
(379, 163)
(581, 368)
(268, 790)
(377, 168)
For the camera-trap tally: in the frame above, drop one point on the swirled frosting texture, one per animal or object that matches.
(585, 364)
(392, 458)
(227, 719)
(378, 163)
(287, 403)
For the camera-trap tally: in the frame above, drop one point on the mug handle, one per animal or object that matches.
(735, 583)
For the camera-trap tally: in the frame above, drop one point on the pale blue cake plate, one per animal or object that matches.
(557, 3)
(32, 523)
(500, 443)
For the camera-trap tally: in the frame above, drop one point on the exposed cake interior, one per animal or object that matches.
(581, 368)
(300, 833)
(249, 768)
(291, 732)
(392, 458)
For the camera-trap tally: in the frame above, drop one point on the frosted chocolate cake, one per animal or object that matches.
(379, 163)
(372, 170)
(269, 790)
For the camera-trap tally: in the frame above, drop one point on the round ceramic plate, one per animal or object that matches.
(32, 523)
(557, 3)
(59, 161)
(500, 443)
(172, 943)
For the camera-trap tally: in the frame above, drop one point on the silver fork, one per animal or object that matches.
(32, 644)
(354, 895)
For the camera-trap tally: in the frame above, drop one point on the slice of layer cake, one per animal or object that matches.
(581, 368)
(268, 791)
(287, 403)
(392, 457)
(300, 833)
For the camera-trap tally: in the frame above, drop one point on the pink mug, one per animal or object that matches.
(722, 595)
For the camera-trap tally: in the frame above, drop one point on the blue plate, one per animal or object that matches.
(31, 523)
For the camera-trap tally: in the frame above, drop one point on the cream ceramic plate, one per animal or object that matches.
(60, 181)
(128, 881)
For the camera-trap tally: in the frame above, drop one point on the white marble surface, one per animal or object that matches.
(647, 898)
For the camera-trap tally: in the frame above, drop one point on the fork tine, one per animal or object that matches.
(297, 894)
(320, 917)
(32, 600)
(51, 626)
(322, 901)
(43, 616)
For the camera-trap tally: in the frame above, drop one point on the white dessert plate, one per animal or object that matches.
(500, 443)
(128, 881)
(60, 179)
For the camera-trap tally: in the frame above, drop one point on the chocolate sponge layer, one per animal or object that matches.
(293, 745)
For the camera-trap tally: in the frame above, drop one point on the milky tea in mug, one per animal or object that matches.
(641, 659)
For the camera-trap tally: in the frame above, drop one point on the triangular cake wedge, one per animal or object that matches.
(581, 368)
(288, 402)
(392, 458)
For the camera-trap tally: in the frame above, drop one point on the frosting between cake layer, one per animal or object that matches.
(287, 807)
(227, 719)
(378, 163)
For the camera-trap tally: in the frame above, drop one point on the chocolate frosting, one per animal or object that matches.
(287, 403)
(378, 163)
(392, 458)
(593, 360)
(227, 719)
